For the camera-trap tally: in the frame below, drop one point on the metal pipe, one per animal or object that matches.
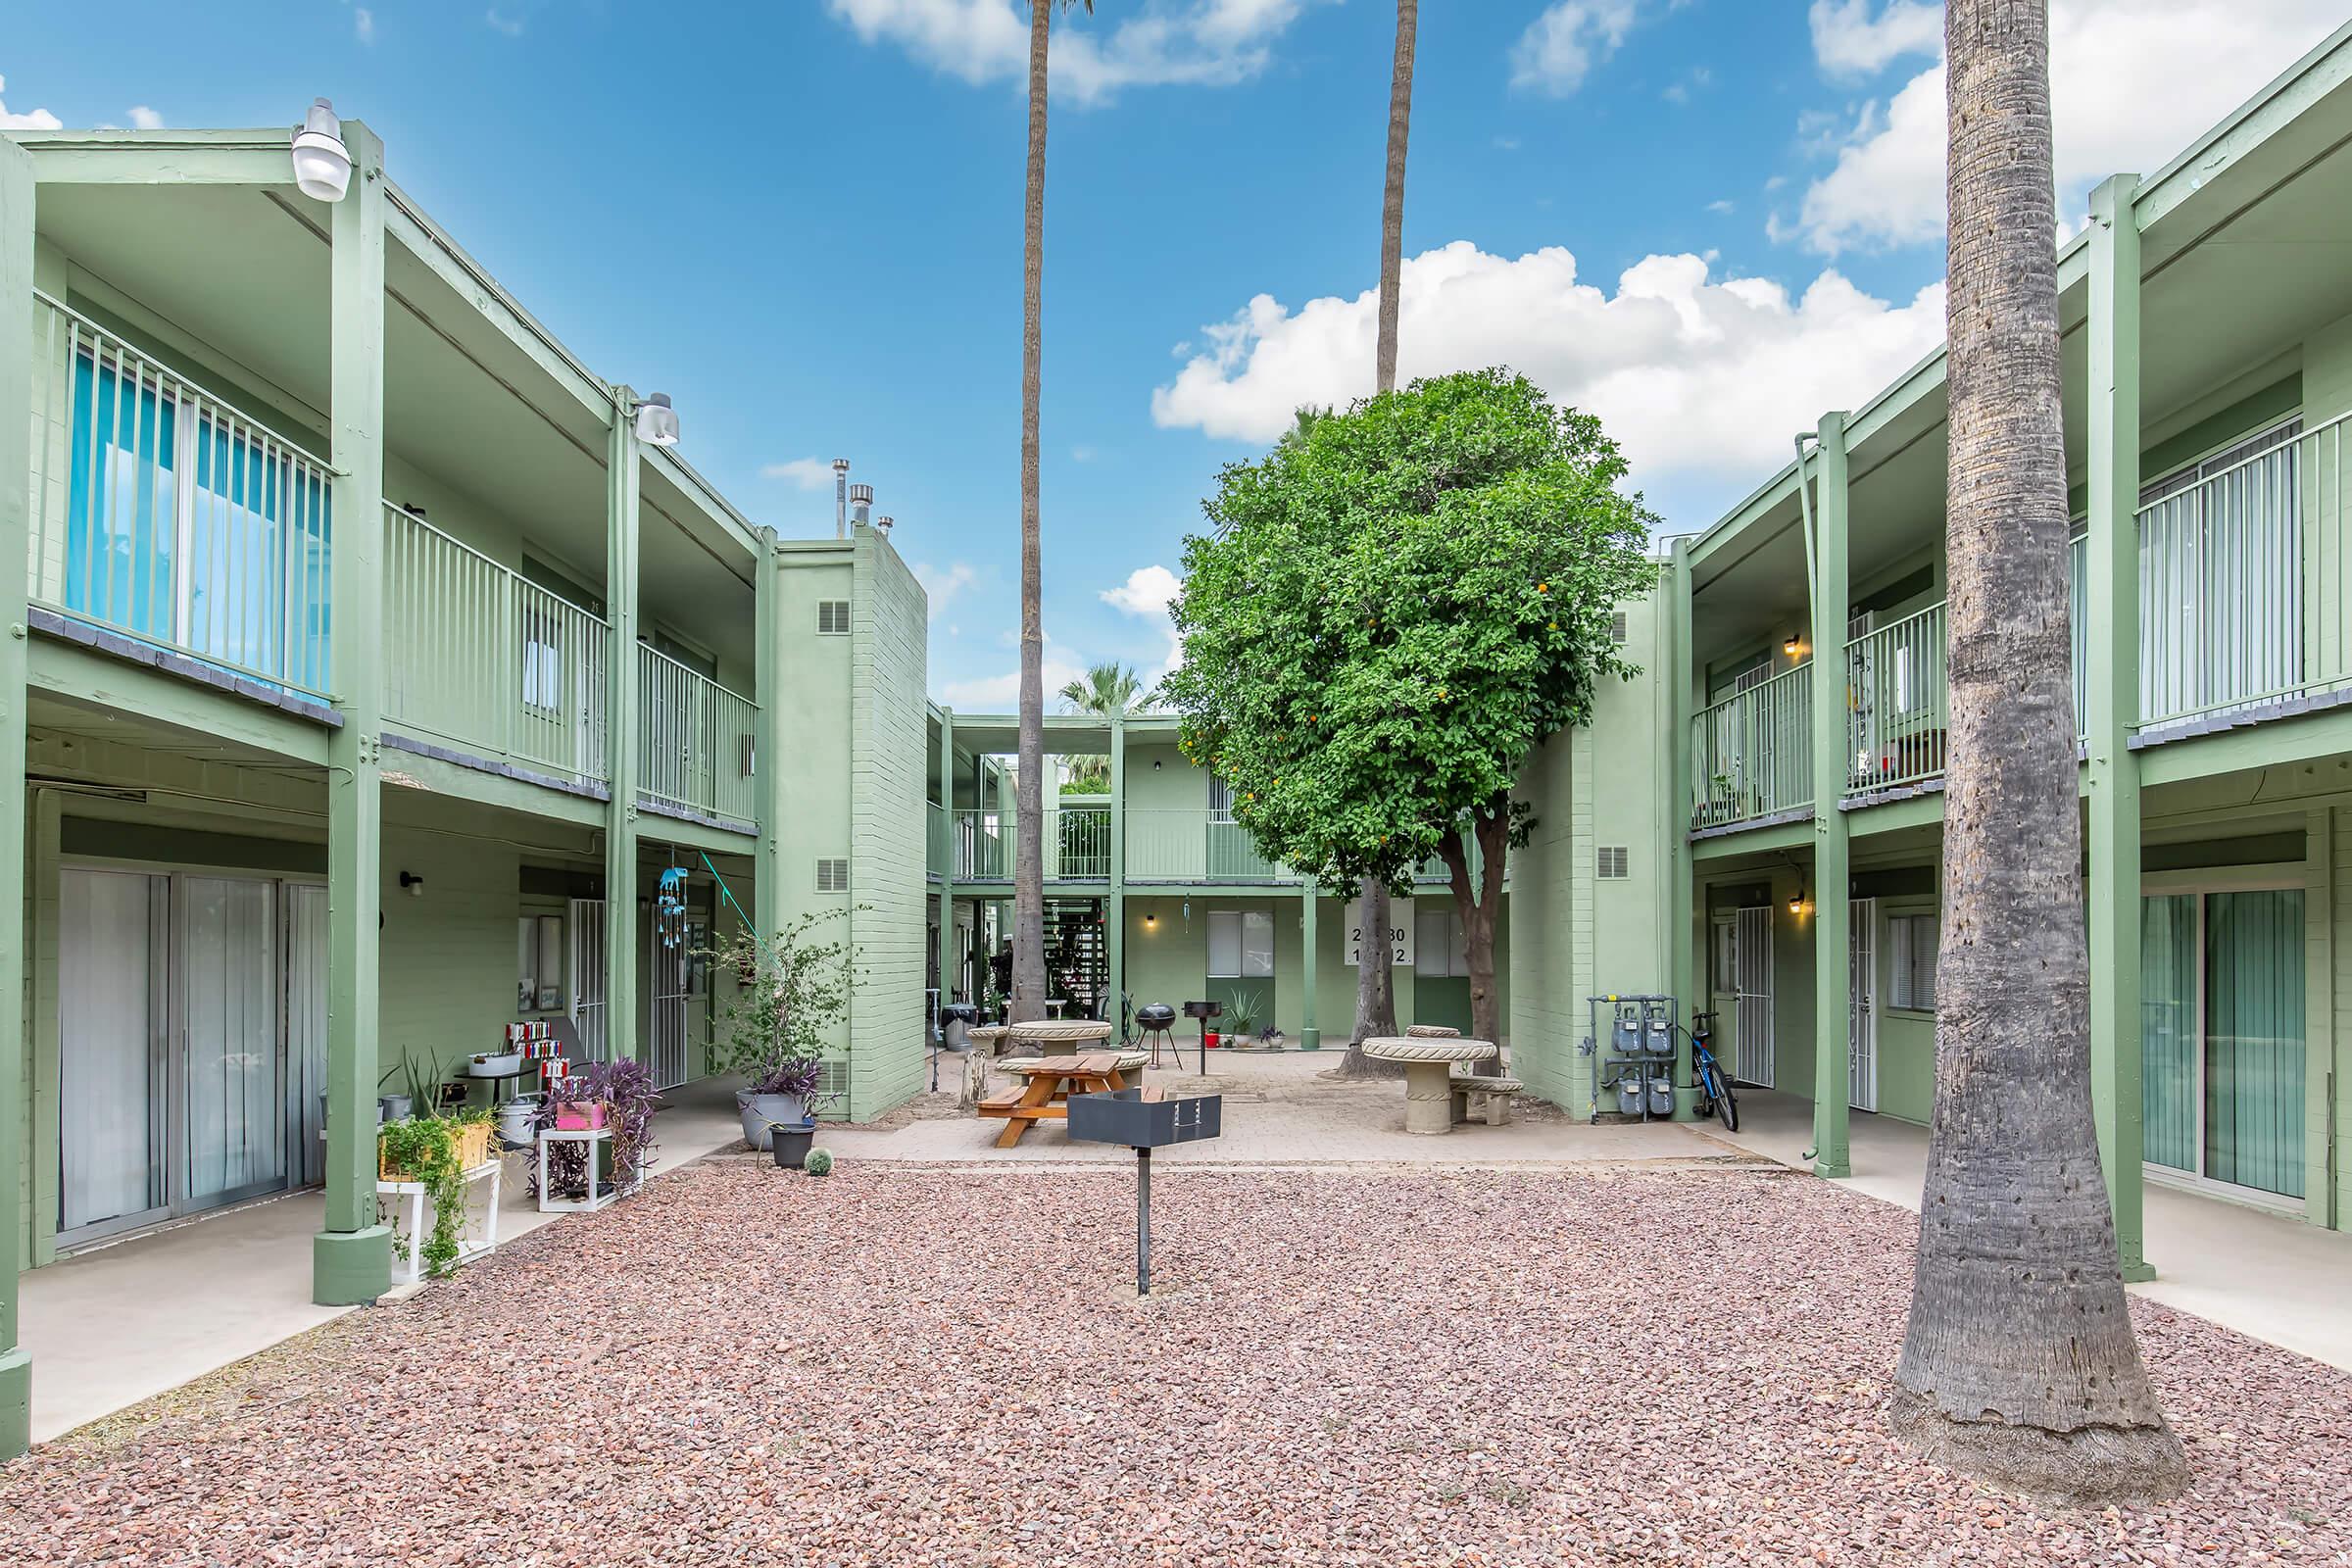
(1142, 1221)
(1804, 503)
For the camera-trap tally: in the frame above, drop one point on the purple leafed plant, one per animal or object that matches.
(795, 1075)
(627, 1087)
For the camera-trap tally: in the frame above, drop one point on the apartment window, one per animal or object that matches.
(1440, 945)
(1241, 945)
(1611, 862)
(539, 956)
(833, 875)
(833, 618)
(1911, 962)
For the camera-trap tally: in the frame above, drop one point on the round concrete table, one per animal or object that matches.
(1051, 1035)
(1428, 1075)
(1432, 1031)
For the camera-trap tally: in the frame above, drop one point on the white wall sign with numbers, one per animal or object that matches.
(1400, 932)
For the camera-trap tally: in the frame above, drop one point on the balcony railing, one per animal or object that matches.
(1077, 848)
(2245, 583)
(694, 741)
(161, 511)
(1194, 845)
(1896, 703)
(1751, 754)
(940, 836)
(1081, 850)
(479, 657)
(983, 845)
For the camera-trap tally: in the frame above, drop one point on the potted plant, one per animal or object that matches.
(789, 1142)
(778, 1027)
(616, 1095)
(436, 1153)
(1240, 1019)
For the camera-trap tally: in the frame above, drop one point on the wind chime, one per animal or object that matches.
(669, 907)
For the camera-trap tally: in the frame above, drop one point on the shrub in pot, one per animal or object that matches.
(619, 1095)
(781, 1019)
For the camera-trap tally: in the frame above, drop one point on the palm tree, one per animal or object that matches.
(1375, 988)
(1108, 688)
(1028, 1001)
(2019, 1366)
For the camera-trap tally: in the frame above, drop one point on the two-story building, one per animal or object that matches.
(377, 674)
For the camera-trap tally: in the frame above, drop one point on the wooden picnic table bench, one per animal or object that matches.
(1046, 1097)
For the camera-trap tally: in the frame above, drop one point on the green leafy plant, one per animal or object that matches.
(1241, 1013)
(424, 1149)
(781, 1020)
(1391, 609)
(421, 1077)
(819, 1163)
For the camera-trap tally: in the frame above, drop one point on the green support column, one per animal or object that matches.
(1676, 818)
(622, 736)
(1115, 918)
(1310, 1038)
(16, 524)
(351, 1260)
(1832, 918)
(767, 749)
(2112, 701)
(947, 872)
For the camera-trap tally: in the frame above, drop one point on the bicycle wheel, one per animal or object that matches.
(1727, 1108)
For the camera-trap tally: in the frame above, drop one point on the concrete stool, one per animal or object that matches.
(1487, 1099)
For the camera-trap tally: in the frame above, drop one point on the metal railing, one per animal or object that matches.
(1081, 845)
(983, 843)
(2245, 583)
(1896, 699)
(1192, 844)
(477, 657)
(1751, 754)
(938, 836)
(694, 740)
(162, 511)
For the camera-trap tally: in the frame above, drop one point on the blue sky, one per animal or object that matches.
(1704, 219)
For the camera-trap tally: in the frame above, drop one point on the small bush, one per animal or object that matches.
(819, 1164)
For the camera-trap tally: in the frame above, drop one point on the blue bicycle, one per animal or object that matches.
(1714, 1089)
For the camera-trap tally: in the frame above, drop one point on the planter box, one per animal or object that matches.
(473, 1148)
(581, 1117)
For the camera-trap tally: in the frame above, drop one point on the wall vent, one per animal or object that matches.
(833, 1085)
(833, 875)
(1619, 632)
(1612, 864)
(833, 618)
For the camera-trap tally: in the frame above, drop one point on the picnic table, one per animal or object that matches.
(1428, 1074)
(1051, 1081)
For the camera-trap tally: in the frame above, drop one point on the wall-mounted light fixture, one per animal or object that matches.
(1156, 764)
(1790, 645)
(412, 884)
(321, 162)
(1150, 922)
(656, 421)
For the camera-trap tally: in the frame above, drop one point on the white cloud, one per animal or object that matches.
(1690, 373)
(35, 119)
(511, 26)
(2132, 83)
(1146, 595)
(1199, 42)
(806, 474)
(145, 118)
(1723, 207)
(942, 584)
(1850, 40)
(362, 22)
(1001, 694)
(1560, 47)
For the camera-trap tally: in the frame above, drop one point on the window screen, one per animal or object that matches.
(1911, 961)
(1241, 945)
(1440, 945)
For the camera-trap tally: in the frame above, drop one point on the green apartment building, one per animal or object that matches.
(370, 660)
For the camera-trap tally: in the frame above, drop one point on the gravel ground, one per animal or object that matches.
(945, 1367)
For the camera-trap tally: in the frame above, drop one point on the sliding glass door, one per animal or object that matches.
(112, 1082)
(2222, 1045)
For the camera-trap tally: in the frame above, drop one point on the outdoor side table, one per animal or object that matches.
(1428, 1075)
(492, 1170)
(597, 1199)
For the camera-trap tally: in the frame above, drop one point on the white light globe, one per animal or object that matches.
(321, 162)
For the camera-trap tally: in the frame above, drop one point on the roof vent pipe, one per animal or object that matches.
(841, 497)
(883, 525)
(861, 503)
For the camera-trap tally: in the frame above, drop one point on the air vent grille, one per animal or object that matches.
(833, 618)
(1612, 867)
(833, 875)
(1619, 632)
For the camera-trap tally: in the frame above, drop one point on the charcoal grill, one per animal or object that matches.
(1157, 1019)
(1144, 1120)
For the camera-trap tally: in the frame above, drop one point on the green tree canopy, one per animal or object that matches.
(1392, 607)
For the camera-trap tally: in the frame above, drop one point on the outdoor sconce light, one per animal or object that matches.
(412, 884)
(1150, 922)
(1156, 764)
(1790, 645)
(656, 421)
(1797, 902)
(321, 162)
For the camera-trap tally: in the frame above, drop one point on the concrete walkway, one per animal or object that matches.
(2265, 1274)
(120, 1323)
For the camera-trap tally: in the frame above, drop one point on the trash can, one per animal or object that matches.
(956, 1018)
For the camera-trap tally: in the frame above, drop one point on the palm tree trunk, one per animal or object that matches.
(1375, 980)
(2019, 1366)
(1028, 1000)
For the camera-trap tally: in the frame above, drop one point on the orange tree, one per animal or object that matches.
(1390, 610)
